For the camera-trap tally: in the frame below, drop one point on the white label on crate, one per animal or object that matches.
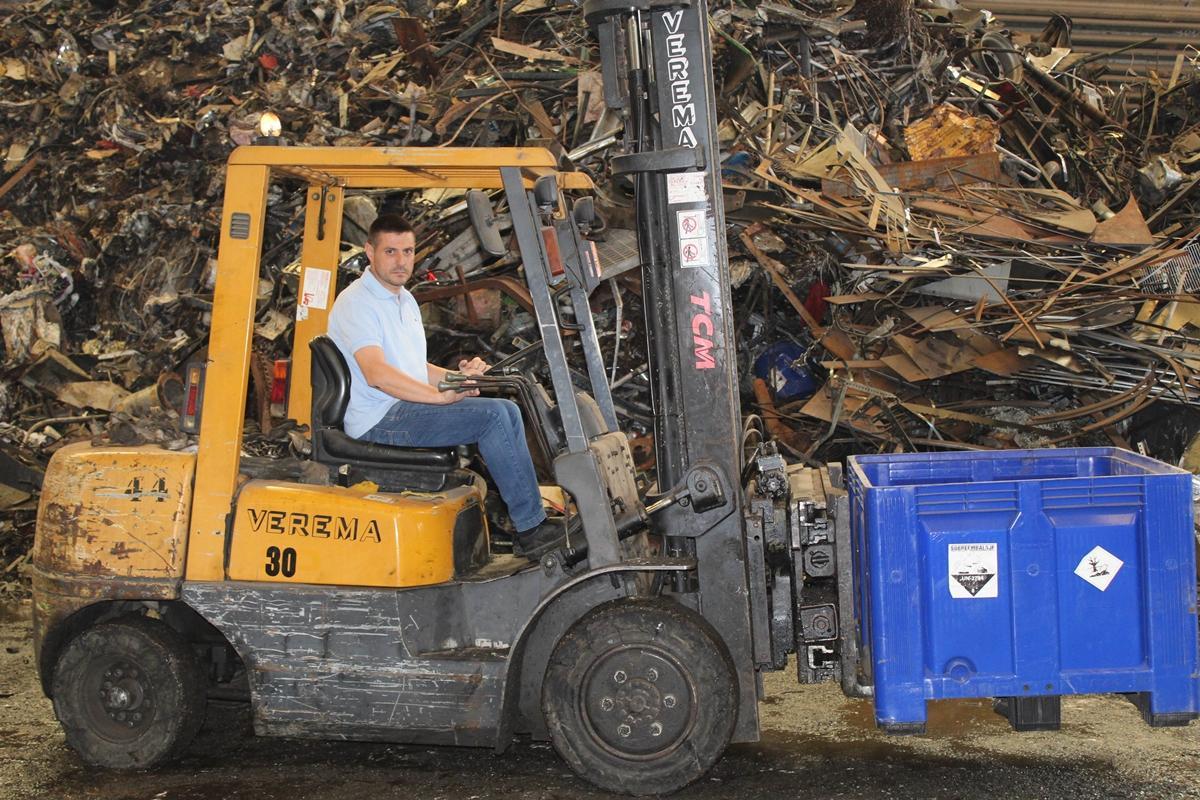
(973, 569)
(1099, 567)
(686, 187)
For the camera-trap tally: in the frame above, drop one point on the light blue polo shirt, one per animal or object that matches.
(364, 314)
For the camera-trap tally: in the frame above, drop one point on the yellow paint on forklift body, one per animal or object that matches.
(114, 512)
(356, 536)
(410, 167)
(228, 368)
(320, 254)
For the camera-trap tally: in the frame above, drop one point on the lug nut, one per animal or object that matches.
(669, 700)
(652, 674)
(624, 730)
(656, 729)
(606, 704)
(619, 676)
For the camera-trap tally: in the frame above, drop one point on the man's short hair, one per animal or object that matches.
(388, 223)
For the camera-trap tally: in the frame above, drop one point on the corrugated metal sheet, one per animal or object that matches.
(1105, 25)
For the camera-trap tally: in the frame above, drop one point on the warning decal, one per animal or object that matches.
(693, 237)
(1099, 567)
(973, 570)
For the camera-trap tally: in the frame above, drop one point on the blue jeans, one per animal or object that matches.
(491, 422)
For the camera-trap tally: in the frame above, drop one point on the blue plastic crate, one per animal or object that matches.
(1024, 573)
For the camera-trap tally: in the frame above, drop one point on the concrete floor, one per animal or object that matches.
(816, 745)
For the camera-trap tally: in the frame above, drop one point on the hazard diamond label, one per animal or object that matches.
(1099, 567)
(974, 570)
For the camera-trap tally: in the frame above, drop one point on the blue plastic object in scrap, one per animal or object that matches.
(783, 367)
(1024, 573)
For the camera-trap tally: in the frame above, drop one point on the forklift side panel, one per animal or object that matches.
(114, 512)
(112, 525)
(423, 665)
(294, 533)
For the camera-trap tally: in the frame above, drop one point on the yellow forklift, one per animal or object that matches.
(356, 595)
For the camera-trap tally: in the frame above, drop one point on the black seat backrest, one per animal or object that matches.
(331, 445)
(330, 384)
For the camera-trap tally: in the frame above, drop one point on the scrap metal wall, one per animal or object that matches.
(1106, 25)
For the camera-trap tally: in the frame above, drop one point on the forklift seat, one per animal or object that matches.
(331, 445)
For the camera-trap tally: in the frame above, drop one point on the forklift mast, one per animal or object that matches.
(657, 67)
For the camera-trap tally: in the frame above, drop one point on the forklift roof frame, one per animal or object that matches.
(329, 172)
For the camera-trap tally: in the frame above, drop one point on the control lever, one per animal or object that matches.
(453, 380)
(458, 382)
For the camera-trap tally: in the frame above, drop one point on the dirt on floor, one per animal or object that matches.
(816, 744)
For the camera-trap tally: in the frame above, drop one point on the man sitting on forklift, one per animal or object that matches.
(394, 399)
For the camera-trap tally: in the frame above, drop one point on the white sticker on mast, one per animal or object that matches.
(686, 187)
(315, 291)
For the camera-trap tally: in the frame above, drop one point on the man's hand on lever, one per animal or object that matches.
(476, 366)
(454, 389)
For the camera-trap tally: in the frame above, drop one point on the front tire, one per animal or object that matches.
(129, 694)
(640, 696)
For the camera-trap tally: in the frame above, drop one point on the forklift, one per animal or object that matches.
(355, 594)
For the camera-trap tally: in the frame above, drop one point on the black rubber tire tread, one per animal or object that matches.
(180, 692)
(664, 625)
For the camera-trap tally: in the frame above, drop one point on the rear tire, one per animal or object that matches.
(129, 694)
(640, 696)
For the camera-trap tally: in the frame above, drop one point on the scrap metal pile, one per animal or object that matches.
(941, 236)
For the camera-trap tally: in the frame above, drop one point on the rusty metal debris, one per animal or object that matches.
(944, 232)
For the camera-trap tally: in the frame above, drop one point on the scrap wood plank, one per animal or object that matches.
(530, 53)
(974, 419)
(20, 175)
(862, 363)
(935, 173)
(820, 406)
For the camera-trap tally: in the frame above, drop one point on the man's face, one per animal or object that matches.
(391, 258)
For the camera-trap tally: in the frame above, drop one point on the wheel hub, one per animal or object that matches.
(125, 700)
(638, 701)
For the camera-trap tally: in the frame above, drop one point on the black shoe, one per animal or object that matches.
(550, 535)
